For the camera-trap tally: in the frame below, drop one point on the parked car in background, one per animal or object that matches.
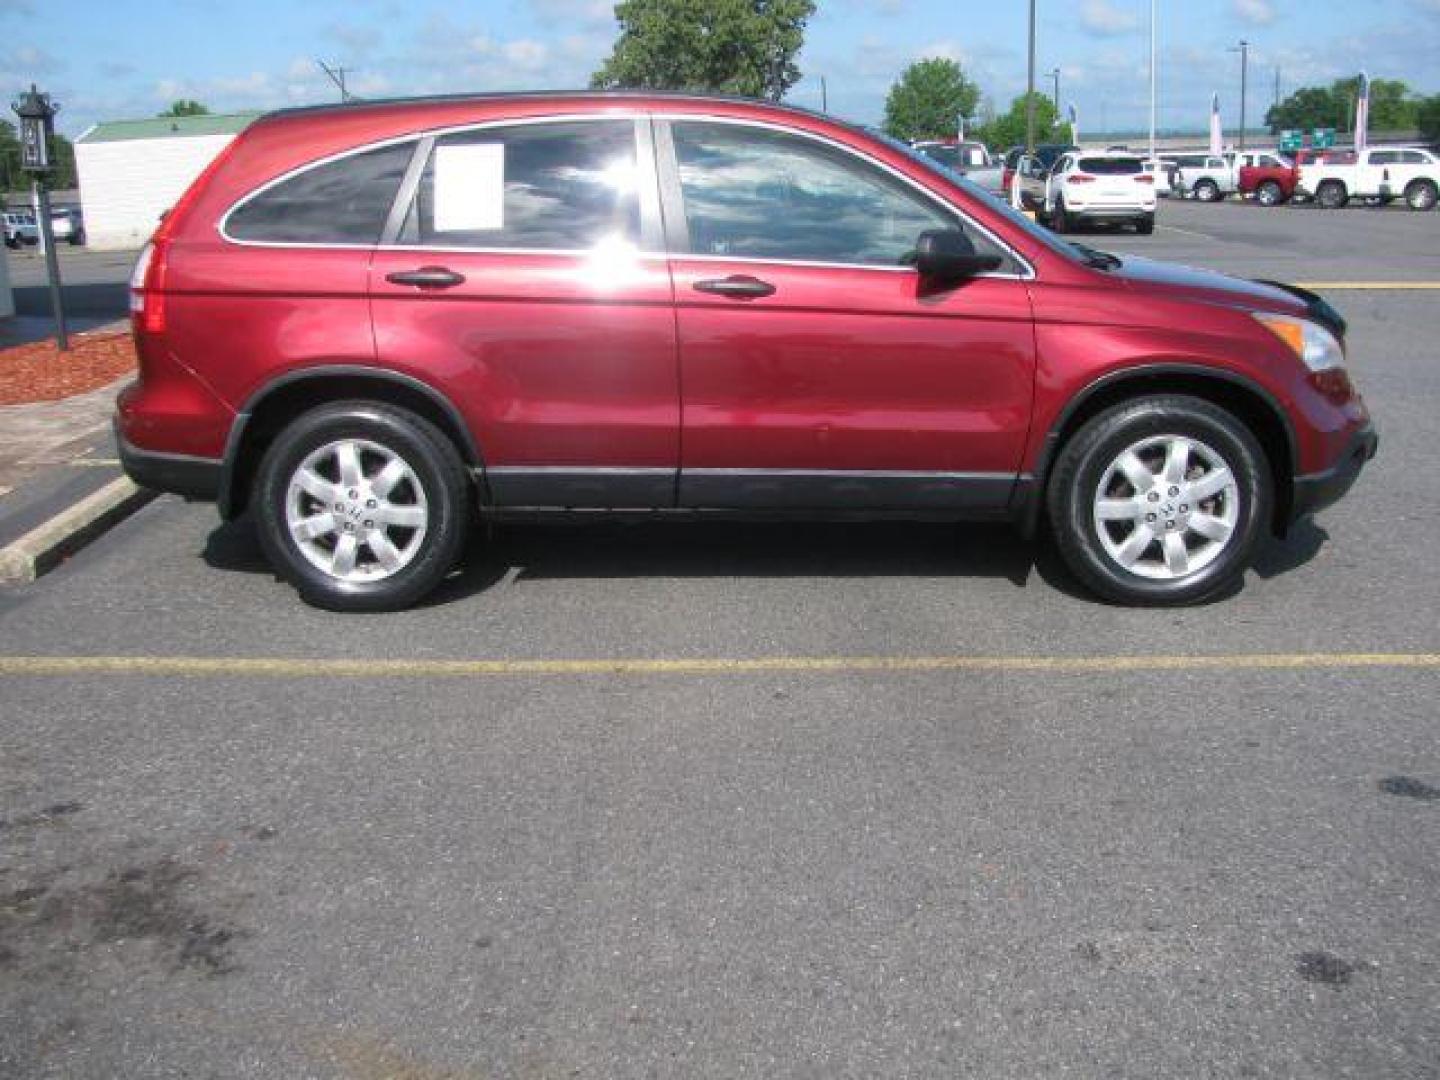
(1270, 178)
(1383, 173)
(1162, 171)
(1032, 171)
(67, 226)
(20, 229)
(367, 323)
(1214, 177)
(1086, 187)
(960, 156)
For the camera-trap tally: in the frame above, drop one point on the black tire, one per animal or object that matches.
(1269, 194)
(1331, 195)
(1084, 462)
(1145, 225)
(1060, 219)
(434, 462)
(1420, 194)
(12, 244)
(1207, 191)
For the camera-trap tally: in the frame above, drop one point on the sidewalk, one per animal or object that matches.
(56, 455)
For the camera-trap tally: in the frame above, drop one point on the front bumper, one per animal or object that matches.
(1316, 491)
(196, 479)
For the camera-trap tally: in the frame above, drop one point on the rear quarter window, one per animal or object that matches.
(344, 201)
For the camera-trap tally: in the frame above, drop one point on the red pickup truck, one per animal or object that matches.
(1272, 179)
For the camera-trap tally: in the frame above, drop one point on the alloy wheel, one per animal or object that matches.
(1166, 507)
(356, 510)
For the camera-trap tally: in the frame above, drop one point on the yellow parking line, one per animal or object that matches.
(279, 667)
(1375, 286)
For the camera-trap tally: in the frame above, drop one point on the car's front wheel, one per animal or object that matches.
(1331, 195)
(1160, 500)
(1207, 191)
(362, 506)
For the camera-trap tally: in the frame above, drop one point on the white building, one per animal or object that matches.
(132, 171)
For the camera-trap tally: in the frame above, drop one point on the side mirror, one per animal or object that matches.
(948, 255)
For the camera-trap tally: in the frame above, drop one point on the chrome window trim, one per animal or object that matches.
(425, 139)
(223, 225)
(671, 117)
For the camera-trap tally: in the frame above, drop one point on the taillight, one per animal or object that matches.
(1079, 178)
(147, 281)
(1144, 178)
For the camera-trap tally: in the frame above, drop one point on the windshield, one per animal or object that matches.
(975, 191)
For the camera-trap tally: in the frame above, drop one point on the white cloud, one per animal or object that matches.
(1104, 19)
(1255, 12)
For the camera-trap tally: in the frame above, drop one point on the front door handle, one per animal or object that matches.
(737, 286)
(427, 277)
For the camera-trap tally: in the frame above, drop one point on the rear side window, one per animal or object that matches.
(344, 201)
(1106, 166)
(549, 187)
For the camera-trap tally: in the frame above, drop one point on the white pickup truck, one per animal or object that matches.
(1210, 177)
(1383, 173)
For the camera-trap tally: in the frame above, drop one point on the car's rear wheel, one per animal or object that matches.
(1160, 500)
(1060, 218)
(1145, 225)
(1331, 195)
(1420, 195)
(362, 506)
(1207, 191)
(1269, 194)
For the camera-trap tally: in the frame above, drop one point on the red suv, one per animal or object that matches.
(366, 323)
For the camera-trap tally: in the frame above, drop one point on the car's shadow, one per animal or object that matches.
(711, 549)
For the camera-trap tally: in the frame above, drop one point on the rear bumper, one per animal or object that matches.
(1316, 491)
(194, 478)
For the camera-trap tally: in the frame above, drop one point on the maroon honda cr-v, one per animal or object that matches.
(365, 324)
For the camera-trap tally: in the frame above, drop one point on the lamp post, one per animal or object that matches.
(1030, 88)
(1244, 50)
(1055, 77)
(37, 128)
(1153, 32)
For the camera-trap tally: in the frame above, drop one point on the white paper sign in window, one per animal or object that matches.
(470, 187)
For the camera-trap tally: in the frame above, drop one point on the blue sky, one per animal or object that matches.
(107, 59)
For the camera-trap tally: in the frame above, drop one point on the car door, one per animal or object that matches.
(524, 272)
(817, 369)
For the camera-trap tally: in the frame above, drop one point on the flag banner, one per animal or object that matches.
(1217, 134)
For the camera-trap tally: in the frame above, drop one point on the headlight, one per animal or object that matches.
(1312, 344)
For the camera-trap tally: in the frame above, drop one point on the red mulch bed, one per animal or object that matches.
(40, 372)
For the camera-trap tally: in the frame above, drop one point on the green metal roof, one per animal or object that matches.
(168, 127)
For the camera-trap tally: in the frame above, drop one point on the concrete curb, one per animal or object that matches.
(41, 549)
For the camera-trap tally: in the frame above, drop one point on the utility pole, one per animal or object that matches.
(337, 76)
(1244, 50)
(1030, 88)
(824, 100)
(1277, 86)
(1055, 75)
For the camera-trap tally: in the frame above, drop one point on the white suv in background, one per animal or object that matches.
(1085, 186)
(1384, 173)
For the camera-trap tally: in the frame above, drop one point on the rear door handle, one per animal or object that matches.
(738, 286)
(427, 277)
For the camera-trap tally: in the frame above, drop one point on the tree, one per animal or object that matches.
(928, 99)
(186, 107)
(745, 47)
(1427, 117)
(1009, 129)
(1391, 107)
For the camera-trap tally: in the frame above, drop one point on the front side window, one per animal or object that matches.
(761, 194)
(566, 186)
(345, 201)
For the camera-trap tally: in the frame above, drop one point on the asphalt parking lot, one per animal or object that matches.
(750, 800)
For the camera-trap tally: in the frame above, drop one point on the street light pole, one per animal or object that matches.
(37, 128)
(1152, 78)
(1244, 50)
(1030, 88)
(1055, 74)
